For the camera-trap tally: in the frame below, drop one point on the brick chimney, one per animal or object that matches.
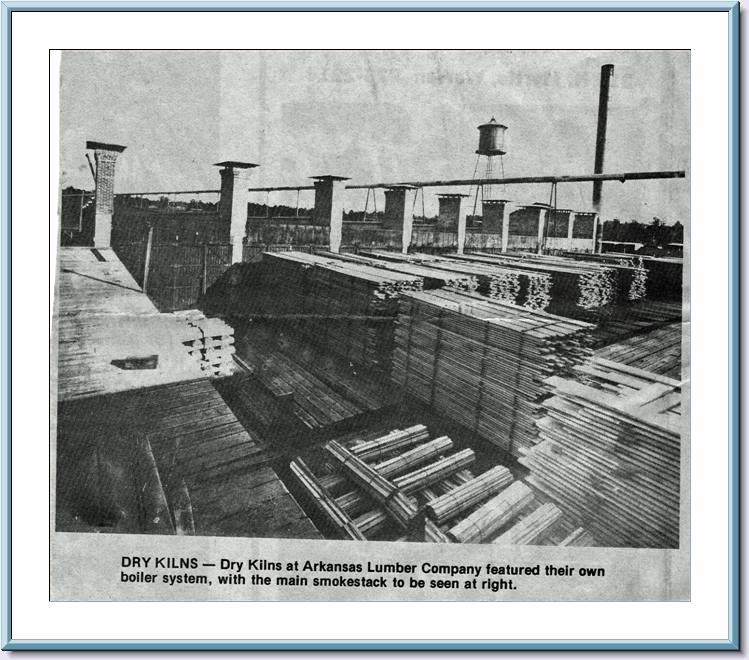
(232, 205)
(105, 156)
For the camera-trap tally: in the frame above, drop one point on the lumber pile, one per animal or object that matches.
(393, 441)
(511, 285)
(209, 341)
(610, 454)
(469, 494)
(434, 278)
(531, 528)
(489, 518)
(400, 507)
(570, 288)
(346, 308)
(308, 399)
(324, 503)
(400, 485)
(482, 363)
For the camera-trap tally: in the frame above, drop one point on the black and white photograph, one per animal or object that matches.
(361, 316)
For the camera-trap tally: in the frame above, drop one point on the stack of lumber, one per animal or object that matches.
(579, 290)
(482, 363)
(401, 508)
(346, 308)
(610, 454)
(313, 403)
(657, 351)
(400, 485)
(326, 504)
(434, 278)
(531, 528)
(489, 518)
(468, 495)
(629, 276)
(512, 285)
(209, 341)
(578, 538)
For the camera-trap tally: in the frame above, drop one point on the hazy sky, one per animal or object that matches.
(380, 116)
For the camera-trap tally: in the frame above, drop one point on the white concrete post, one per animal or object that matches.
(399, 213)
(505, 227)
(541, 227)
(328, 212)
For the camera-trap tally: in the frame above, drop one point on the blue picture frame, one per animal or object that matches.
(732, 8)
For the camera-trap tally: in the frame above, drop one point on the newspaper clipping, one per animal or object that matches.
(371, 325)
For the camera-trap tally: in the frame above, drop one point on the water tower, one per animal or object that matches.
(491, 145)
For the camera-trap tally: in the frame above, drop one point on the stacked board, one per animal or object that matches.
(511, 285)
(346, 308)
(610, 454)
(484, 364)
(313, 403)
(434, 278)
(400, 485)
(577, 290)
(209, 341)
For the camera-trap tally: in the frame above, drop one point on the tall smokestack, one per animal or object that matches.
(607, 73)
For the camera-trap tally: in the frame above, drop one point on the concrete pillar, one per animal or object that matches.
(505, 226)
(105, 156)
(328, 211)
(596, 218)
(452, 216)
(450, 211)
(399, 204)
(570, 229)
(492, 212)
(232, 205)
(542, 213)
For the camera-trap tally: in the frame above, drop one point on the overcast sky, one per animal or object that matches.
(380, 116)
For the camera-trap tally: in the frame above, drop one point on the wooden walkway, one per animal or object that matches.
(658, 351)
(103, 318)
(313, 403)
(141, 461)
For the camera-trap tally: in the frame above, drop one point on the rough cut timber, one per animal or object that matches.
(531, 528)
(484, 364)
(610, 455)
(434, 278)
(469, 495)
(489, 518)
(578, 289)
(348, 309)
(657, 351)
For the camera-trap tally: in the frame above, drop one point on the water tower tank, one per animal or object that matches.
(492, 139)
